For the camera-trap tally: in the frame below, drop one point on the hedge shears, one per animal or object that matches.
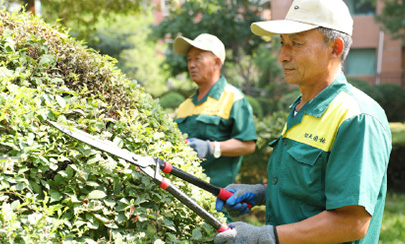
(151, 166)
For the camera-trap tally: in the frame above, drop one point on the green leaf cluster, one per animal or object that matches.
(55, 189)
(268, 129)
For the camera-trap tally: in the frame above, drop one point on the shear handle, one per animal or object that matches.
(165, 184)
(216, 191)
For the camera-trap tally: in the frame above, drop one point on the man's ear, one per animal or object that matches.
(217, 62)
(338, 47)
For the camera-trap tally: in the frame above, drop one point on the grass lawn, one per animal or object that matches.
(393, 225)
(398, 133)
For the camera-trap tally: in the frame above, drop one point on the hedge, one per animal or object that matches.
(54, 189)
(171, 100)
(396, 166)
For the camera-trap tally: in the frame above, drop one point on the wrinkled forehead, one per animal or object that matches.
(308, 35)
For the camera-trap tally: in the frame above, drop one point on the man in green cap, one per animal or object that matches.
(328, 169)
(218, 118)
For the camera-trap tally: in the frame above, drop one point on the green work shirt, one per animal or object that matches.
(224, 113)
(333, 153)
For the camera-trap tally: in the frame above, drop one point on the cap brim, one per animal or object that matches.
(278, 27)
(182, 44)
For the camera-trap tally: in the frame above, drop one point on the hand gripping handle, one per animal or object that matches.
(224, 195)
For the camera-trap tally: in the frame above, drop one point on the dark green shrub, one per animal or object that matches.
(396, 166)
(171, 100)
(257, 108)
(268, 105)
(366, 87)
(389, 96)
(54, 189)
(288, 99)
(393, 102)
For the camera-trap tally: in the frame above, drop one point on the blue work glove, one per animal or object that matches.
(253, 194)
(242, 233)
(203, 148)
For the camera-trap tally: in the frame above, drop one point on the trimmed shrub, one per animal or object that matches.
(55, 189)
(171, 100)
(396, 166)
(393, 102)
(366, 87)
(389, 96)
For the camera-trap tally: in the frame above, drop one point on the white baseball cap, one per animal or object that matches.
(204, 41)
(305, 15)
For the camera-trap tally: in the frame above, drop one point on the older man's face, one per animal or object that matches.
(305, 57)
(201, 65)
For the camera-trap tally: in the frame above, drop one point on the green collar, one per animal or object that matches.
(317, 106)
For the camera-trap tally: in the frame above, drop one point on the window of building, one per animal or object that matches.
(165, 5)
(361, 7)
(361, 62)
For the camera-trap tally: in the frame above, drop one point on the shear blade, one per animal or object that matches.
(106, 146)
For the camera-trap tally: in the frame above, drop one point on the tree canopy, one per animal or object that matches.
(392, 18)
(83, 15)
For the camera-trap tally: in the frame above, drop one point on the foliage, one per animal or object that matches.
(392, 100)
(392, 229)
(389, 96)
(396, 167)
(265, 59)
(366, 87)
(256, 107)
(392, 17)
(182, 84)
(140, 58)
(171, 100)
(54, 189)
(82, 16)
(254, 166)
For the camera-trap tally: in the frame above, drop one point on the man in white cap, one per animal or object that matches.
(327, 171)
(218, 118)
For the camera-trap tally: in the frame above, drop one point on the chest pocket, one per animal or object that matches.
(302, 173)
(206, 127)
(214, 127)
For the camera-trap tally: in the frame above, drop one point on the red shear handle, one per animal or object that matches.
(224, 195)
(223, 228)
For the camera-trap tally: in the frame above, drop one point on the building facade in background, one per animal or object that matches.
(374, 56)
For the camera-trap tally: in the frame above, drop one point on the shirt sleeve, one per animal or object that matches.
(243, 127)
(357, 164)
